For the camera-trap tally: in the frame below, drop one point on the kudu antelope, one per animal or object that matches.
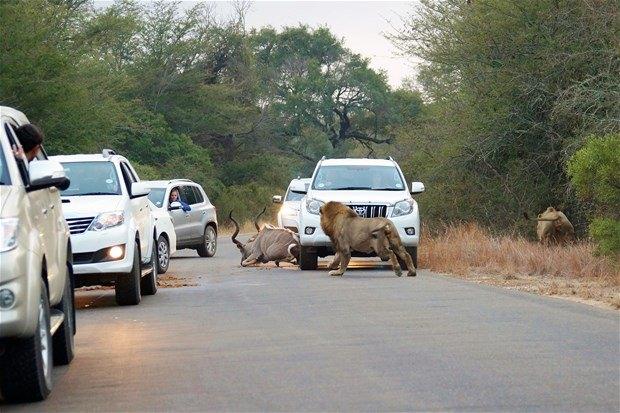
(269, 244)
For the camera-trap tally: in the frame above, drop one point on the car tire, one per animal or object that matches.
(413, 252)
(208, 248)
(26, 365)
(308, 260)
(127, 288)
(163, 254)
(148, 283)
(63, 341)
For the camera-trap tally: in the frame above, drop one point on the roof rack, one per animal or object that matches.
(107, 153)
(323, 158)
(389, 158)
(180, 180)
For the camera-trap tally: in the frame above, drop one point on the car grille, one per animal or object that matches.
(79, 225)
(370, 211)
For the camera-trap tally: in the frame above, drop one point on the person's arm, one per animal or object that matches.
(185, 206)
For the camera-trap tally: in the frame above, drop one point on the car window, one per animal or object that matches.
(363, 177)
(91, 178)
(21, 163)
(5, 178)
(127, 177)
(197, 194)
(293, 196)
(187, 195)
(156, 196)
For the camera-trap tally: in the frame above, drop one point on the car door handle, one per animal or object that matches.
(204, 212)
(52, 206)
(44, 211)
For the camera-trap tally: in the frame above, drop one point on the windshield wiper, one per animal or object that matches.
(387, 189)
(95, 193)
(352, 188)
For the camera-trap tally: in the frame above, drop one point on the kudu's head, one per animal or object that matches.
(245, 249)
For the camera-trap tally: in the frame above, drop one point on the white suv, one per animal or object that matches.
(372, 188)
(37, 313)
(289, 212)
(112, 228)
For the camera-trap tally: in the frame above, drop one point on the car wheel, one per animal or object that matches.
(308, 260)
(163, 255)
(26, 365)
(209, 243)
(148, 283)
(127, 286)
(63, 341)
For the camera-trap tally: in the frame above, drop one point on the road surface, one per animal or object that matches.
(278, 339)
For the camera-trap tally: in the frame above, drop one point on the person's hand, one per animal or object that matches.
(18, 152)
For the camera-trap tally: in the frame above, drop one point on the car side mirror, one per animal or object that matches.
(276, 199)
(138, 189)
(174, 206)
(47, 174)
(417, 188)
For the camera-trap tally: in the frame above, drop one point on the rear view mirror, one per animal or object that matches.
(276, 199)
(47, 174)
(139, 189)
(174, 206)
(417, 188)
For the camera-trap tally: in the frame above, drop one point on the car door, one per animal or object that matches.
(180, 220)
(139, 210)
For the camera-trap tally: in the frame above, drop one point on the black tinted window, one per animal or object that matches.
(187, 195)
(198, 195)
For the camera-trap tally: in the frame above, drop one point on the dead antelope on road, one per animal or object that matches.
(269, 244)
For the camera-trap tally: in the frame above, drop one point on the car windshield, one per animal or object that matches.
(5, 179)
(358, 177)
(293, 196)
(156, 196)
(91, 178)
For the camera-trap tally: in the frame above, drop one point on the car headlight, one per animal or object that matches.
(314, 206)
(9, 233)
(403, 208)
(107, 220)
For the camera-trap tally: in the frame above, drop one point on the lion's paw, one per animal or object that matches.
(335, 273)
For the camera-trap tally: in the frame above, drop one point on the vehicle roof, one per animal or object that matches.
(97, 157)
(358, 161)
(166, 182)
(13, 113)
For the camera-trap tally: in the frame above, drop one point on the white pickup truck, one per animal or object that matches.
(372, 188)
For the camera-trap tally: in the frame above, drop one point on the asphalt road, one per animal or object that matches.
(278, 339)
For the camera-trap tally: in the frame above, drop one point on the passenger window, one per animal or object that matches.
(22, 165)
(127, 177)
(187, 194)
(198, 195)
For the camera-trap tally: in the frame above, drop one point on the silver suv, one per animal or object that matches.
(193, 215)
(37, 313)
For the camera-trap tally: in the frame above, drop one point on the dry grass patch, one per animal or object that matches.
(573, 271)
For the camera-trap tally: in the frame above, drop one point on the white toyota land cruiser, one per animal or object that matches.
(112, 228)
(372, 188)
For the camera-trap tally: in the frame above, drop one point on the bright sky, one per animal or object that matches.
(360, 23)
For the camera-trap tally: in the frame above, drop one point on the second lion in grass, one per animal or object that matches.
(349, 232)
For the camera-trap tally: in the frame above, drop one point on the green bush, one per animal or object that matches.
(595, 175)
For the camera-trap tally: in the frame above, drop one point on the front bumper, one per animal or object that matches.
(319, 239)
(20, 272)
(93, 241)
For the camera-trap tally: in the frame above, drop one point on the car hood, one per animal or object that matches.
(361, 197)
(90, 205)
(10, 201)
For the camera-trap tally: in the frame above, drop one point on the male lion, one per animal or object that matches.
(348, 231)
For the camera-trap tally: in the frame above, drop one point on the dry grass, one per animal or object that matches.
(572, 271)
(247, 227)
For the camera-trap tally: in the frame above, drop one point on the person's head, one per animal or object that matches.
(174, 195)
(31, 139)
